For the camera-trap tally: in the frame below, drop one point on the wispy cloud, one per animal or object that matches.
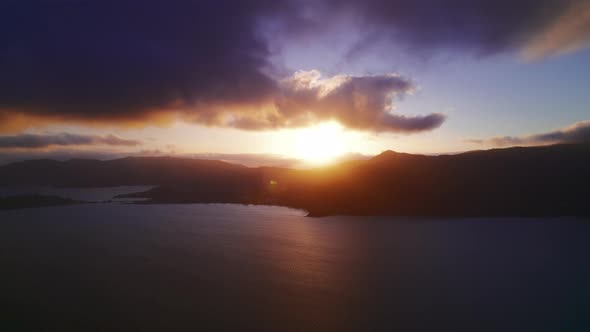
(576, 133)
(537, 28)
(568, 32)
(31, 141)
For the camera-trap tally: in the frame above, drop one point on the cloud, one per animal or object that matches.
(30, 141)
(131, 63)
(357, 102)
(539, 28)
(306, 97)
(128, 61)
(576, 133)
(568, 33)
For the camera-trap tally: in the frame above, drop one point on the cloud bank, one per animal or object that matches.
(30, 141)
(576, 133)
(130, 62)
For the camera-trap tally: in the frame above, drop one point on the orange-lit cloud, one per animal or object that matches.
(12, 121)
(569, 32)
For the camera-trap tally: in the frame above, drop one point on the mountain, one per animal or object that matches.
(125, 171)
(525, 181)
(532, 181)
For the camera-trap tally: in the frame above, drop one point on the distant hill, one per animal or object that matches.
(28, 201)
(125, 171)
(528, 181)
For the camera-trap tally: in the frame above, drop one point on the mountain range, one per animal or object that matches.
(521, 181)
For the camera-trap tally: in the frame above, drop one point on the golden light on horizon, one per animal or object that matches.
(320, 144)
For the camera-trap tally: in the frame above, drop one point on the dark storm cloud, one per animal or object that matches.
(576, 133)
(121, 59)
(130, 62)
(30, 141)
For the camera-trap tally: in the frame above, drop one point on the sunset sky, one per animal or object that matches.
(273, 82)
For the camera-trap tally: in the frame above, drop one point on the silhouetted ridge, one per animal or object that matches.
(389, 155)
(529, 181)
(386, 154)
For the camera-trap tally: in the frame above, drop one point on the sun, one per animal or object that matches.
(320, 144)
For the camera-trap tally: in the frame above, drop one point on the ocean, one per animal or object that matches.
(114, 266)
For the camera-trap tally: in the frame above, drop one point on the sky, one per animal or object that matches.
(290, 82)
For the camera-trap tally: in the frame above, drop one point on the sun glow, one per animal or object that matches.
(320, 144)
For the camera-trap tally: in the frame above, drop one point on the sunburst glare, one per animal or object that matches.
(320, 144)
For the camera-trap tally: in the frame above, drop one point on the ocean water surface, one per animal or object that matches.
(210, 267)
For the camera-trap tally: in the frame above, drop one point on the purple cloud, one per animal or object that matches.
(30, 141)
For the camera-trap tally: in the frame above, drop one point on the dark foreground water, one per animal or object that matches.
(116, 267)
